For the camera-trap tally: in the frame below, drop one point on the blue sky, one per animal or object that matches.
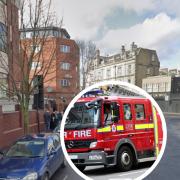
(153, 24)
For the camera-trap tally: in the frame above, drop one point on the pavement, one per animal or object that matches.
(168, 168)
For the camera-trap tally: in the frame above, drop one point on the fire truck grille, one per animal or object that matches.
(78, 144)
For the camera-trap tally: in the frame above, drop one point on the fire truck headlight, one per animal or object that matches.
(93, 144)
(95, 157)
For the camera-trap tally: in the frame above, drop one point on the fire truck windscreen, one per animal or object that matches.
(84, 115)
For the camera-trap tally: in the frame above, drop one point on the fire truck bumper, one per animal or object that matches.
(91, 158)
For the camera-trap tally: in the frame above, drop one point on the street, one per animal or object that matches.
(167, 168)
(112, 174)
(66, 173)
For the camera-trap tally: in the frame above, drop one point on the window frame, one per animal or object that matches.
(144, 112)
(131, 113)
(65, 48)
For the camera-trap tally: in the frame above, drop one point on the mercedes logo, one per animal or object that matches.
(70, 144)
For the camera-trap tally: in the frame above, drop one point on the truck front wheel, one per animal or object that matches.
(124, 159)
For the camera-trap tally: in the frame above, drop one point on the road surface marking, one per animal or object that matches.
(65, 177)
(130, 173)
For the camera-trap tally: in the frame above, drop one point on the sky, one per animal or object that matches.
(153, 24)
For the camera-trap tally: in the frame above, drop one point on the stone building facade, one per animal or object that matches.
(166, 91)
(129, 65)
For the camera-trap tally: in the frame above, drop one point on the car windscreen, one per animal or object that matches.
(81, 116)
(34, 148)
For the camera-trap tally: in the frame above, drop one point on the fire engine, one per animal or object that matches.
(113, 130)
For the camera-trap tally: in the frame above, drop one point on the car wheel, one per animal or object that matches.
(124, 159)
(46, 176)
(63, 165)
(81, 167)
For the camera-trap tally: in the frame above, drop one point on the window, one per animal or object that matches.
(139, 111)
(119, 70)
(148, 71)
(111, 113)
(129, 69)
(3, 37)
(37, 48)
(56, 141)
(50, 145)
(64, 48)
(35, 65)
(65, 66)
(127, 112)
(153, 57)
(76, 68)
(65, 82)
(108, 73)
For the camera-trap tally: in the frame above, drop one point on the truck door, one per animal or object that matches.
(110, 118)
(143, 126)
(128, 122)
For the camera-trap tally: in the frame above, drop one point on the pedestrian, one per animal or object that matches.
(53, 120)
(47, 119)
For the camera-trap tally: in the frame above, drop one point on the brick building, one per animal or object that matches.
(62, 83)
(9, 38)
(129, 65)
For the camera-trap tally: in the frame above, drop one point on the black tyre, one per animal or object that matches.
(46, 176)
(125, 159)
(81, 167)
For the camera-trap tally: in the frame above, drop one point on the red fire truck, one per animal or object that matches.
(113, 130)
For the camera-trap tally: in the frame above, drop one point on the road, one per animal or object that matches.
(66, 173)
(100, 172)
(168, 168)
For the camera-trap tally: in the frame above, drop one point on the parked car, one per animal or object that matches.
(33, 157)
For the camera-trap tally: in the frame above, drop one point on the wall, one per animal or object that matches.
(170, 106)
(11, 126)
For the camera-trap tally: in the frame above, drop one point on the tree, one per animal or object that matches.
(35, 56)
(87, 54)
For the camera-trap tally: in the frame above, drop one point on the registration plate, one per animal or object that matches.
(74, 156)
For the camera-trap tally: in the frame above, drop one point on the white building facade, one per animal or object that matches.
(128, 66)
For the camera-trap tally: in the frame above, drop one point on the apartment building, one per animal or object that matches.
(62, 84)
(130, 65)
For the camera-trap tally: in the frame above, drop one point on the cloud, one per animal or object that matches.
(160, 32)
(85, 18)
(159, 28)
(169, 6)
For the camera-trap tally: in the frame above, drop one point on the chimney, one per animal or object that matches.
(133, 46)
(123, 49)
(97, 54)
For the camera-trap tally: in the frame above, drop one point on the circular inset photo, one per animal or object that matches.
(113, 130)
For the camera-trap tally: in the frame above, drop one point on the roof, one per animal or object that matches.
(64, 31)
(111, 98)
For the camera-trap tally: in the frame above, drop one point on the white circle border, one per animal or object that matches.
(104, 83)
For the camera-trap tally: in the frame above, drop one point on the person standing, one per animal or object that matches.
(53, 120)
(47, 119)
